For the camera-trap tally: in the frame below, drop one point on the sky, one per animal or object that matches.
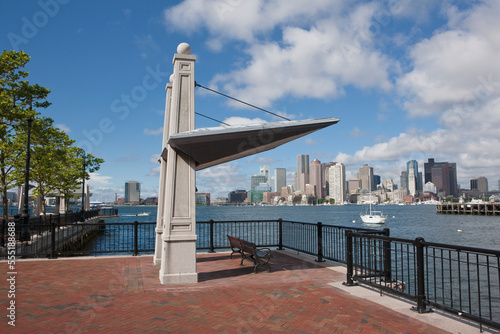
(409, 80)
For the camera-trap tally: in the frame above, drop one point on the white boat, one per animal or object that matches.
(373, 217)
(143, 214)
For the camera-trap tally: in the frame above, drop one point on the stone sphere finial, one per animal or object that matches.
(184, 49)
(171, 79)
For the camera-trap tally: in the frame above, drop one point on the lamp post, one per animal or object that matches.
(25, 234)
(82, 152)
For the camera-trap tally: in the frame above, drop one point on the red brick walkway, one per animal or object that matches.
(123, 295)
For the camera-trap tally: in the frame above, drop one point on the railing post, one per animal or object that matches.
(136, 238)
(421, 299)
(349, 259)
(53, 254)
(387, 256)
(280, 234)
(211, 247)
(320, 242)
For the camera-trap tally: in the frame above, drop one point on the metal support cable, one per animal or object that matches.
(210, 118)
(235, 99)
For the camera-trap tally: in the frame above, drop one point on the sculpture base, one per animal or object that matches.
(178, 262)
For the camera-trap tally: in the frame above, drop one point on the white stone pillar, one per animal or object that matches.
(178, 260)
(87, 198)
(60, 205)
(163, 176)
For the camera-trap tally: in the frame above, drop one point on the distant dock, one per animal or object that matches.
(480, 209)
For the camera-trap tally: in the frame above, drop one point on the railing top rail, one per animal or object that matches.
(429, 244)
(238, 221)
(336, 226)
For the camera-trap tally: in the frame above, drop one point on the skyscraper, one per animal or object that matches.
(325, 187)
(412, 169)
(403, 180)
(264, 170)
(337, 183)
(257, 179)
(315, 176)
(132, 192)
(279, 179)
(443, 175)
(365, 174)
(302, 172)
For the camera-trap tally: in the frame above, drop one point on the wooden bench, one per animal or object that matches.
(248, 250)
(235, 245)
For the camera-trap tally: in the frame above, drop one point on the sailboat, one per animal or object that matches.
(374, 217)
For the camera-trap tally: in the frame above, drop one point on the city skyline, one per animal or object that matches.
(408, 80)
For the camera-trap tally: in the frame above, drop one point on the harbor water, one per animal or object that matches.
(408, 221)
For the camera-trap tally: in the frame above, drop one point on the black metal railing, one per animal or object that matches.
(37, 225)
(460, 280)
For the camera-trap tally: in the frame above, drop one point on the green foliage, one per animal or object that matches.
(55, 165)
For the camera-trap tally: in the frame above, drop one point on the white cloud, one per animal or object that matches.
(221, 179)
(153, 132)
(99, 180)
(263, 160)
(155, 171)
(470, 140)
(63, 127)
(154, 159)
(324, 46)
(241, 20)
(454, 66)
(310, 141)
(235, 120)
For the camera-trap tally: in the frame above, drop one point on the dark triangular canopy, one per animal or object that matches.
(214, 146)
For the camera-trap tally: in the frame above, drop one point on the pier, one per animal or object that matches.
(480, 209)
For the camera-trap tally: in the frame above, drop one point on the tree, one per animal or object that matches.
(70, 178)
(18, 103)
(56, 166)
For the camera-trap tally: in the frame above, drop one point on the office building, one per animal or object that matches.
(430, 188)
(403, 180)
(302, 175)
(279, 179)
(389, 185)
(365, 174)
(237, 196)
(325, 187)
(264, 170)
(202, 199)
(337, 183)
(132, 192)
(479, 184)
(257, 179)
(315, 176)
(354, 186)
(412, 169)
(443, 175)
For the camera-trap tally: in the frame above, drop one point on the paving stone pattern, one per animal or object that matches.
(124, 295)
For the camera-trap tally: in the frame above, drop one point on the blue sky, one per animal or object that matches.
(408, 79)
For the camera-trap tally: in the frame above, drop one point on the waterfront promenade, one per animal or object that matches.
(122, 294)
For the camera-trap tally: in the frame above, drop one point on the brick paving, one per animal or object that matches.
(123, 295)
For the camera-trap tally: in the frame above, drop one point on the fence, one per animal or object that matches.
(460, 280)
(40, 225)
